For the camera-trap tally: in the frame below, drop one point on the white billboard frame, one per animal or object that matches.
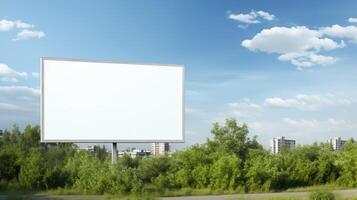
(42, 103)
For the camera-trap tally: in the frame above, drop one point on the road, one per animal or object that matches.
(257, 196)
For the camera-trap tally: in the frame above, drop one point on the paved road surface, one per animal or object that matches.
(260, 196)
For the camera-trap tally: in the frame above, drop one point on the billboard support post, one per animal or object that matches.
(114, 153)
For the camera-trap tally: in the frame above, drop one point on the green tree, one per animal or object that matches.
(232, 138)
(30, 176)
(347, 163)
(9, 163)
(225, 173)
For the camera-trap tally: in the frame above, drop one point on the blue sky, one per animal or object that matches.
(283, 68)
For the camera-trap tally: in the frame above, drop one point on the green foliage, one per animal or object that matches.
(31, 172)
(9, 163)
(225, 173)
(232, 138)
(230, 162)
(322, 196)
(347, 164)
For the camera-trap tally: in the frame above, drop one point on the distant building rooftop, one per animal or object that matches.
(336, 143)
(280, 142)
(133, 152)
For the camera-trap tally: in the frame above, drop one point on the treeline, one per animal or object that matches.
(230, 161)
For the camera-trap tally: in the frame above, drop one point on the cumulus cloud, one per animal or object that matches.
(10, 75)
(244, 108)
(343, 32)
(279, 102)
(7, 106)
(19, 90)
(253, 17)
(352, 20)
(23, 27)
(19, 98)
(306, 102)
(7, 25)
(299, 45)
(19, 104)
(28, 34)
(301, 123)
(266, 15)
(336, 122)
(241, 26)
(245, 104)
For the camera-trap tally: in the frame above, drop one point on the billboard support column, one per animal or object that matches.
(114, 153)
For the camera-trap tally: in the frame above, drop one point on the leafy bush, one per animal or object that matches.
(230, 162)
(322, 196)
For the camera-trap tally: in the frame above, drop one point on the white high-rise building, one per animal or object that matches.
(280, 142)
(336, 143)
(133, 152)
(160, 148)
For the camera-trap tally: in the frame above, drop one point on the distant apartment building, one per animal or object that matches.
(133, 152)
(160, 148)
(1, 133)
(279, 143)
(336, 143)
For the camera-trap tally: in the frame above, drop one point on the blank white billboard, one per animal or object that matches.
(86, 101)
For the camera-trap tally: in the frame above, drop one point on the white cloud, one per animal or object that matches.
(10, 75)
(245, 18)
(20, 90)
(7, 106)
(352, 20)
(266, 15)
(28, 34)
(23, 25)
(245, 104)
(253, 17)
(25, 33)
(7, 25)
(19, 98)
(20, 105)
(279, 102)
(307, 102)
(344, 32)
(244, 109)
(241, 26)
(284, 40)
(336, 122)
(301, 123)
(299, 45)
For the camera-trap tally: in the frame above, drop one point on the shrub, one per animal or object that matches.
(322, 196)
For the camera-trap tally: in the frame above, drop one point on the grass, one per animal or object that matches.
(61, 191)
(326, 187)
(284, 198)
(154, 194)
(194, 192)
